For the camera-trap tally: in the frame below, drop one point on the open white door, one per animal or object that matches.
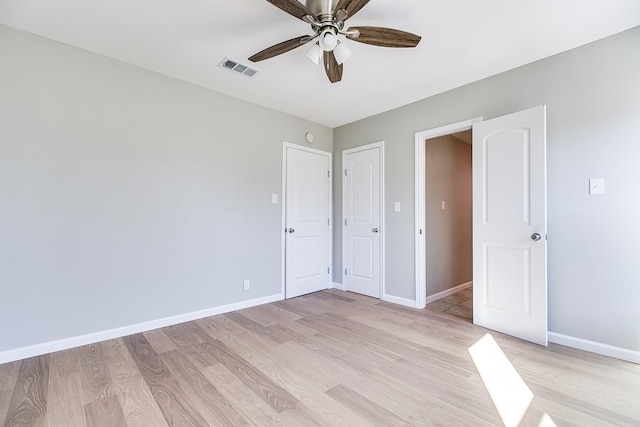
(307, 221)
(510, 225)
(362, 203)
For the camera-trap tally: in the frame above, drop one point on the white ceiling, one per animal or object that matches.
(462, 41)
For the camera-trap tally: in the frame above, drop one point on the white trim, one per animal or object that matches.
(399, 300)
(283, 199)
(383, 228)
(67, 343)
(420, 202)
(447, 292)
(595, 347)
(338, 286)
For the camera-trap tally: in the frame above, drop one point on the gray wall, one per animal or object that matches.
(593, 110)
(126, 196)
(449, 235)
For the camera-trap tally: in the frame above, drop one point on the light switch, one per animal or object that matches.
(274, 199)
(444, 205)
(396, 207)
(596, 186)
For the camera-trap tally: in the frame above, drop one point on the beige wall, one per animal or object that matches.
(448, 231)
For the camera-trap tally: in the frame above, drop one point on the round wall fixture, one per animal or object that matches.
(309, 137)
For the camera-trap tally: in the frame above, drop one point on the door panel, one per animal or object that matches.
(509, 191)
(307, 214)
(362, 212)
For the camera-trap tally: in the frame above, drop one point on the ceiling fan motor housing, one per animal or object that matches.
(322, 9)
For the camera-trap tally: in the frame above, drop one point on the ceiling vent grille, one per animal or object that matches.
(233, 65)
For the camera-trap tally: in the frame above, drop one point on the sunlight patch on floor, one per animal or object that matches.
(507, 389)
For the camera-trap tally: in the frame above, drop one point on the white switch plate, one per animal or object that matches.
(274, 199)
(396, 207)
(596, 186)
(444, 205)
(246, 285)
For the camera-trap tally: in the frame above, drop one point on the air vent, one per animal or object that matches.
(233, 65)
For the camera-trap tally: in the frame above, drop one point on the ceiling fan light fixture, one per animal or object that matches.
(328, 39)
(341, 52)
(314, 54)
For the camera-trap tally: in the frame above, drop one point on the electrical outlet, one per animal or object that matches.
(246, 285)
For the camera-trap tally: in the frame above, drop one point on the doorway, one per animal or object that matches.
(421, 201)
(449, 218)
(509, 222)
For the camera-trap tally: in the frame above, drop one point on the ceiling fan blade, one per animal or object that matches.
(351, 6)
(281, 48)
(292, 7)
(332, 68)
(385, 37)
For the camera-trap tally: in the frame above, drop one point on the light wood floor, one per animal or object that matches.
(329, 358)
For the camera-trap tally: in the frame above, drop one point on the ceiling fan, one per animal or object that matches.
(327, 19)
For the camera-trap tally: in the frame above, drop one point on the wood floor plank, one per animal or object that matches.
(64, 363)
(274, 395)
(300, 307)
(269, 315)
(364, 407)
(251, 406)
(9, 375)
(5, 400)
(105, 412)
(96, 381)
(213, 406)
(29, 399)
(307, 384)
(65, 405)
(177, 410)
(138, 405)
(160, 342)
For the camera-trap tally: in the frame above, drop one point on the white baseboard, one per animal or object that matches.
(595, 347)
(446, 293)
(67, 343)
(398, 300)
(339, 286)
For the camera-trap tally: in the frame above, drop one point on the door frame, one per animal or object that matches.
(421, 202)
(380, 146)
(283, 203)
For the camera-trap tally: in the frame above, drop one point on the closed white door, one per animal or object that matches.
(510, 225)
(362, 203)
(307, 221)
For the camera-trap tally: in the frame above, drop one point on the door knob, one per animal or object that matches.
(375, 230)
(536, 237)
(292, 230)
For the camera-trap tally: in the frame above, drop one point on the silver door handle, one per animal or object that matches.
(292, 230)
(375, 230)
(536, 237)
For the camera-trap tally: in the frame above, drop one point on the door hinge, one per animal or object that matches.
(421, 231)
(345, 221)
(345, 271)
(328, 223)
(328, 271)
(328, 174)
(345, 172)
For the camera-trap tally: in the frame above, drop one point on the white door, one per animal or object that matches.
(362, 203)
(307, 221)
(510, 225)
